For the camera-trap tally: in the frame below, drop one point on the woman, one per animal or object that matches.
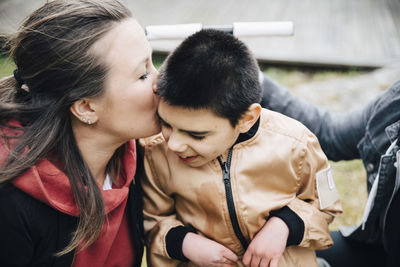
(81, 93)
(372, 134)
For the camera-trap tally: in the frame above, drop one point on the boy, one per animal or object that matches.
(229, 182)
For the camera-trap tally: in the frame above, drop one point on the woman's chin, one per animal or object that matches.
(156, 129)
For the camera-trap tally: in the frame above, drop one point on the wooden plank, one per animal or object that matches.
(335, 33)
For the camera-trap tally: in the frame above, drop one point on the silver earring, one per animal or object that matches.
(83, 119)
(89, 121)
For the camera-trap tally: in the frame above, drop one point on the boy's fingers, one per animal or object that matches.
(274, 262)
(255, 261)
(246, 258)
(228, 254)
(264, 263)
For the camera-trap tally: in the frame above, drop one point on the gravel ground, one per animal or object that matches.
(340, 94)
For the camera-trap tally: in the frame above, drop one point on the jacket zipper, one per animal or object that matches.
(229, 199)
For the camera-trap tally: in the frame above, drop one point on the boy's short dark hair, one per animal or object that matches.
(211, 69)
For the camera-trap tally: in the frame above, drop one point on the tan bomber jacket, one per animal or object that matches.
(277, 167)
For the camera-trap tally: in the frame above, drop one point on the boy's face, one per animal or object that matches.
(197, 136)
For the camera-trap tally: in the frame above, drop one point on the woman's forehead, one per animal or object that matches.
(125, 44)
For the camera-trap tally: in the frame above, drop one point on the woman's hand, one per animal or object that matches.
(206, 252)
(267, 247)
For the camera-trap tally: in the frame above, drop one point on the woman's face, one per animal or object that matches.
(126, 110)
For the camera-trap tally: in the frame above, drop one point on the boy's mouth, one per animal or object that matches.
(188, 159)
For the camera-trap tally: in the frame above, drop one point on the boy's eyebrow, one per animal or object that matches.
(161, 119)
(182, 130)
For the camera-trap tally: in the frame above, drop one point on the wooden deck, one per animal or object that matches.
(327, 32)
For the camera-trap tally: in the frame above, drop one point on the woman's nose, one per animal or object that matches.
(154, 88)
(155, 79)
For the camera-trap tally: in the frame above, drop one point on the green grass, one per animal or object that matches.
(158, 59)
(6, 67)
(351, 184)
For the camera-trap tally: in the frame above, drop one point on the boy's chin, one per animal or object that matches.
(195, 162)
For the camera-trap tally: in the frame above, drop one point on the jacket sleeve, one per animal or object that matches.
(315, 206)
(158, 208)
(338, 134)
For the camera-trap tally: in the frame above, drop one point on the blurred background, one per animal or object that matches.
(341, 55)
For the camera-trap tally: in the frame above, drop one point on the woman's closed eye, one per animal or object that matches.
(144, 76)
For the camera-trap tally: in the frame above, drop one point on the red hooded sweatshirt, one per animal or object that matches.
(114, 246)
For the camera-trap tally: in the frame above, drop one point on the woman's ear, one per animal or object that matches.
(249, 117)
(83, 111)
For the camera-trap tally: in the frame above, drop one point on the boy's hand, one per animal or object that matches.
(206, 252)
(268, 245)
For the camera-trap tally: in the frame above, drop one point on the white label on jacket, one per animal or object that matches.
(326, 188)
(331, 182)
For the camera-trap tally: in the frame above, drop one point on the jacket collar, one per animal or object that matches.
(392, 131)
(249, 134)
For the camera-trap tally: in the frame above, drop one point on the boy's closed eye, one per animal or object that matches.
(197, 137)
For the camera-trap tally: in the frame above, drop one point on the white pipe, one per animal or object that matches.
(178, 31)
(239, 29)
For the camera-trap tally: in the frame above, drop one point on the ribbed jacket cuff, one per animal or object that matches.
(294, 223)
(174, 241)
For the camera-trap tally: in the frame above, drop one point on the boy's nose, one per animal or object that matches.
(175, 145)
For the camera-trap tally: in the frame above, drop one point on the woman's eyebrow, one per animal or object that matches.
(141, 63)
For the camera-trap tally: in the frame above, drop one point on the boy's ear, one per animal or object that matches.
(83, 111)
(249, 117)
